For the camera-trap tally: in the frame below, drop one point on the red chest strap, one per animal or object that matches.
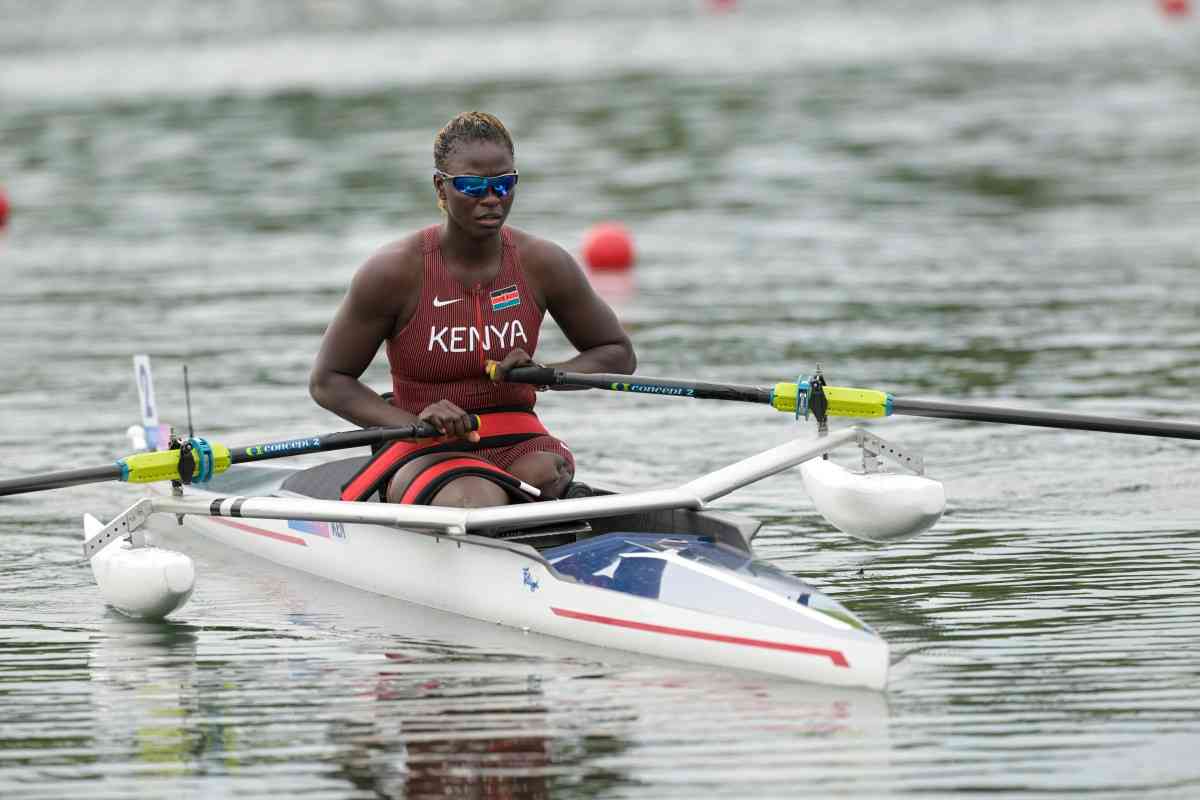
(498, 429)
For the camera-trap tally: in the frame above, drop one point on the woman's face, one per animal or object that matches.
(478, 216)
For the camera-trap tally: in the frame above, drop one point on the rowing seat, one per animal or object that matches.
(325, 481)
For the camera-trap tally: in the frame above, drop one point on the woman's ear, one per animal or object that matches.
(440, 190)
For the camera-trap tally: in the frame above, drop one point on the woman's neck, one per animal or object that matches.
(469, 260)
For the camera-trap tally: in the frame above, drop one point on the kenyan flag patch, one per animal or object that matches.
(505, 298)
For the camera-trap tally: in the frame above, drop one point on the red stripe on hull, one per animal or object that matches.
(283, 537)
(836, 656)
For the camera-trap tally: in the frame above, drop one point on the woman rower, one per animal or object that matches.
(446, 300)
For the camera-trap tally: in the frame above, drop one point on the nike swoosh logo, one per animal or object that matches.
(439, 303)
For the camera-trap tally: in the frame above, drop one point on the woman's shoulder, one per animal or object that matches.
(538, 253)
(553, 273)
(410, 248)
(394, 265)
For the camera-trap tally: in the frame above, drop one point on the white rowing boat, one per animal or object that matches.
(651, 572)
(654, 571)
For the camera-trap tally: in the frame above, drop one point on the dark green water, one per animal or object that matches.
(994, 201)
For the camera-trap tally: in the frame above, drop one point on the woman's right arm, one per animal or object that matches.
(367, 317)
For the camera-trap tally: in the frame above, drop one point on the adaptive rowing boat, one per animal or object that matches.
(655, 571)
(650, 572)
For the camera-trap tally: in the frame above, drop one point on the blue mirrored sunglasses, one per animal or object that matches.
(478, 185)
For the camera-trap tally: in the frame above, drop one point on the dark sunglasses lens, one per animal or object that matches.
(471, 185)
(504, 184)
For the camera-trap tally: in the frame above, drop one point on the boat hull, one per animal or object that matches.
(514, 585)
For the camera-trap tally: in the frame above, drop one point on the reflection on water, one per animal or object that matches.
(175, 701)
(144, 691)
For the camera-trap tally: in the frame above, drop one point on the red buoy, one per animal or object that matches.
(1175, 8)
(3, 208)
(608, 246)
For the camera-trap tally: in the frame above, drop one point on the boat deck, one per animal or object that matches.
(324, 481)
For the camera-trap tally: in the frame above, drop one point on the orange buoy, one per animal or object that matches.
(608, 246)
(1175, 8)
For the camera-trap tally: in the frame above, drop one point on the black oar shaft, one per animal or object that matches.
(330, 441)
(1044, 419)
(545, 376)
(59, 480)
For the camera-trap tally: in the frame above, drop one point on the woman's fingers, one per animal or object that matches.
(498, 370)
(450, 420)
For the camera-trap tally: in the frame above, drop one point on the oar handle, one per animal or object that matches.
(535, 375)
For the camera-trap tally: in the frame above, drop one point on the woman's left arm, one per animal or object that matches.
(588, 322)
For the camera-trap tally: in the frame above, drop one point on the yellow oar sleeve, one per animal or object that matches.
(783, 397)
(163, 465)
(842, 401)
